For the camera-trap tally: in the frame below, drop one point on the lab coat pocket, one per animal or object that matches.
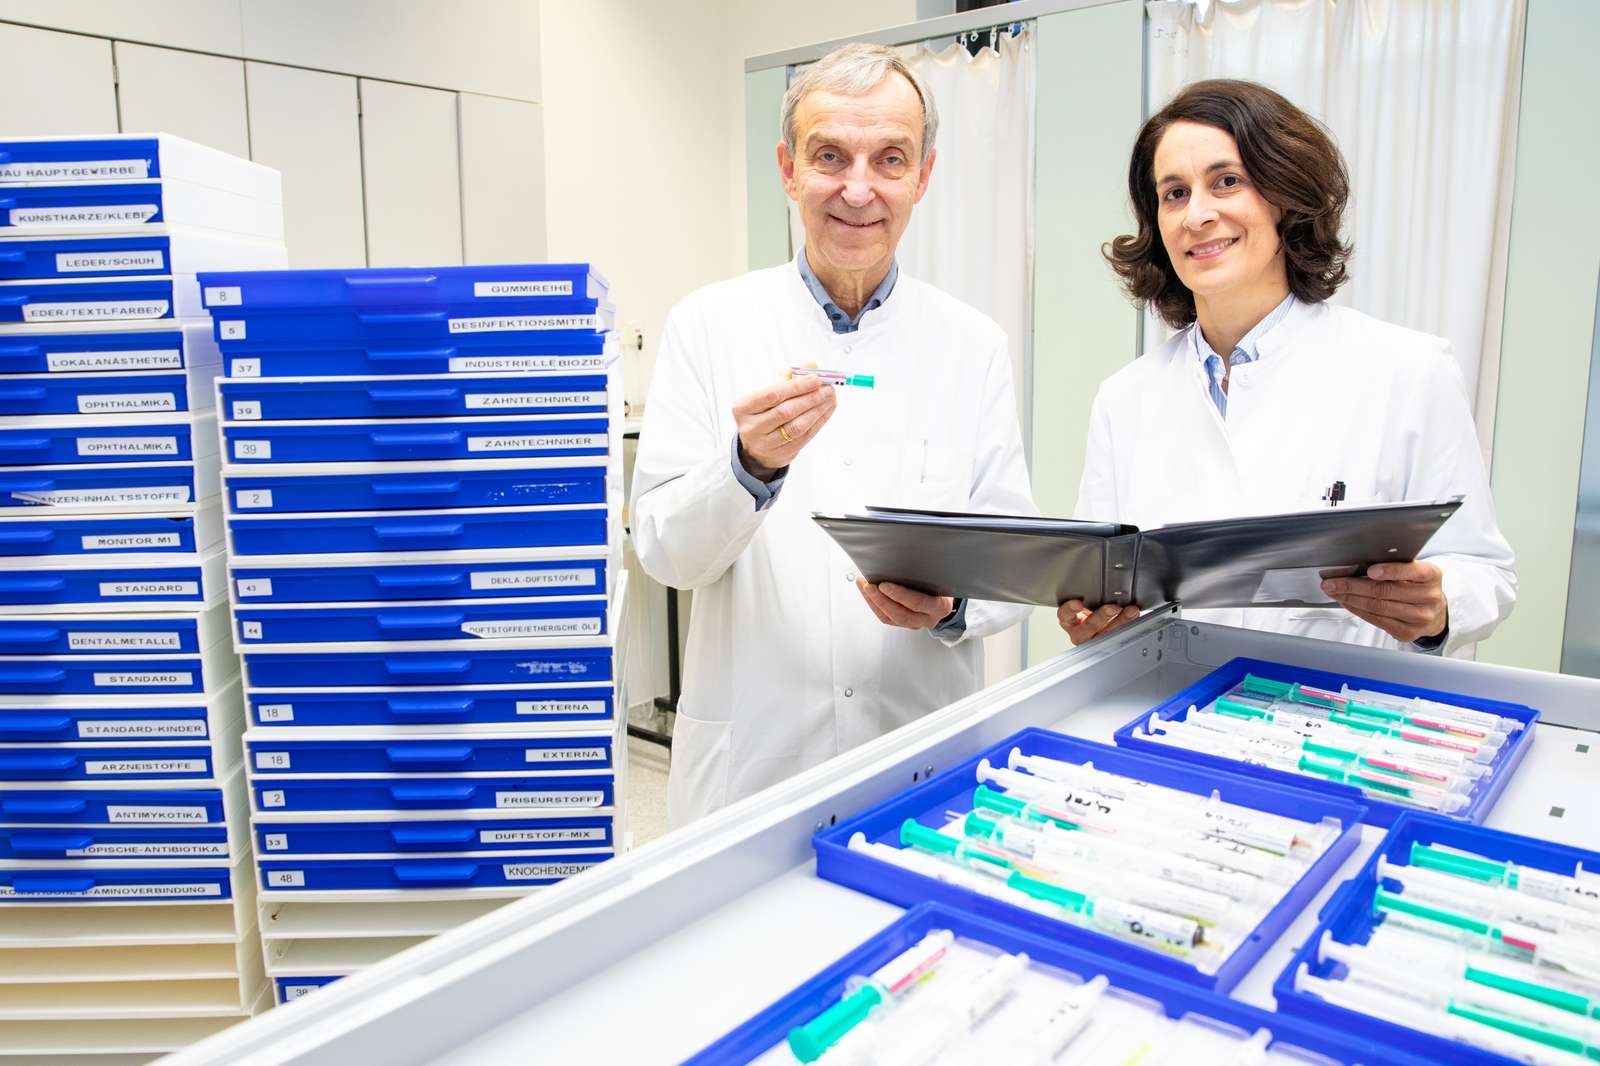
(931, 476)
(702, 762)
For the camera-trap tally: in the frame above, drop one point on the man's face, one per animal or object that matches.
(855, 173)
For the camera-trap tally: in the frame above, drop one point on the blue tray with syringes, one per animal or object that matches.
(1491, 963)
(1132, 1013)
(883, 852)
(1320, 685)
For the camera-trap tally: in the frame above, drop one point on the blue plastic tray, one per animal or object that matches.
(79, 159)
(1379, 812)
(100, 843)
(771, 1026)
(120, 676)
(114, 206)
(293, 988)
(481, 834)
(109, 535)
(161, 485)
(456, 485)
(361, 442)
(437, 755)
(101, 300)
(459, 706)
(144, 762)
(468, 579)
(288, 399)
(452, 620)
(478, 663)
(1349, 917)
(507, 871)
(99, 884)
(559, 320)
(102, 255)
(168, 348)
(411, 287)
(933, 800)
(87, 635)
(470, 353)
(119, 393)
(519, 793)
(154, 807)
(174, 583)
(532, 527)
(62, 721)
(26, 445)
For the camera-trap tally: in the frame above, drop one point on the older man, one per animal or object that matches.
(792, 657)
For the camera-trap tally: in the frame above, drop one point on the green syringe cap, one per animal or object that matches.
(809, 1041)
(979, 826)
(986, 798)
(866, 381)
(913, 834)
(1265, 686)
(1044, 890)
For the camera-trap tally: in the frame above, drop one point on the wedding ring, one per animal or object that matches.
(783, 430)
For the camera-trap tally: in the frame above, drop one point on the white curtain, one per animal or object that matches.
(1421, 97)
(972, 234)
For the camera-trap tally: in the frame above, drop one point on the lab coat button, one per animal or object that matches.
(847, 349)
(850, 577)
(849, 692)
(847, 460)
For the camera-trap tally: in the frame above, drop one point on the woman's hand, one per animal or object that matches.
(1405, 600)
(1083, 625)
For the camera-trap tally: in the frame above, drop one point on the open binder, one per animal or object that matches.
(1263, 561)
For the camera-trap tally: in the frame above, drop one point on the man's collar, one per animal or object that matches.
(835, 313)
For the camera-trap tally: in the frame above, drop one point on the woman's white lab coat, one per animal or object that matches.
(786, 666)
(1334, 396)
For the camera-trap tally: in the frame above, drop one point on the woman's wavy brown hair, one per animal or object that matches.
(1289, 157)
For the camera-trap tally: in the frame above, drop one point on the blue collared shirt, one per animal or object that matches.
(1246, 351)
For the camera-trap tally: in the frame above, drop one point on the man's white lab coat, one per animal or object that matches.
(786, 665)
(1334, 396)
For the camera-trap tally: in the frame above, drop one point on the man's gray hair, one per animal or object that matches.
(855, 70)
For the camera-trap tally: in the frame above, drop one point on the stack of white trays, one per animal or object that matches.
(421, 475)
(127, 914)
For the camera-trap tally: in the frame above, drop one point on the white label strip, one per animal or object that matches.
(272, 760)
(539, 871)
(540, 836)
(223, 296)
(124, 641)
(174, 850)
(507, 800)
(98, 311)
(285, 878)
(100, 215)
(144, 766)
(142, 359)
(82, 262)
(231, 330)
(152, 729)
(294, 992)
(75, 170)
(142, 680)
(247, 410)
(132, 540)
(157, 815)
(533, 627)
(559, 755)
(252, 449)
(524, 323)
(255, 586)
(114, 446)
(149, 588)
(527, 444)
(575, 577)
(250, 630)
(277, 841)
(105, 497)
(560, 708)
(252, 499)
(272, 797)
(276, 712)
(476, 364)
(246, 368)
(123, 403)
(481, 401)
(122, 892)
(522, 288)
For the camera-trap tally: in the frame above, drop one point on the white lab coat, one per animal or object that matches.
(786, 666)
(1334, 396)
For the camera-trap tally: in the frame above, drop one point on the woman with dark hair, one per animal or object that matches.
(1270, 399)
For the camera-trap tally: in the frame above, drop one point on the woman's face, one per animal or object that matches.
(1219, 231)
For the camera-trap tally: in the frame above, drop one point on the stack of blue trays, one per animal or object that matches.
(422, 482)
(120, 704)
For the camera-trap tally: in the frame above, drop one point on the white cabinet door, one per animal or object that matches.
(502, 180)
(195, 96)
(55, 83)
(307, 125)
(410, 150)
